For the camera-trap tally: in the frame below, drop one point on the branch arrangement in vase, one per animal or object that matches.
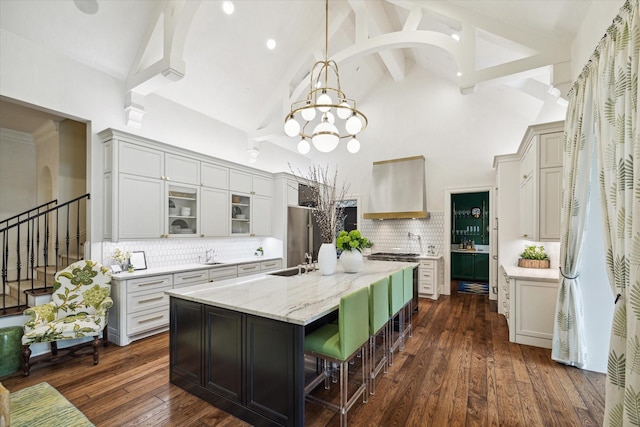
(324, 190)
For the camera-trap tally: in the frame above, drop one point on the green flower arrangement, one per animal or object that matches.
(352, 240)
(534, 252)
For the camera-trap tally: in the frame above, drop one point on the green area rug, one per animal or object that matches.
(41, 405)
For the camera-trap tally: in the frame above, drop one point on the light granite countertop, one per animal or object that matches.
(125, 275)
(297, 299)
(541, 274)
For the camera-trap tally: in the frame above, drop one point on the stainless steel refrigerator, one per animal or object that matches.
(303, 235)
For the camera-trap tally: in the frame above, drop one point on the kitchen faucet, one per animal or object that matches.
(308, 262)
(210, 255)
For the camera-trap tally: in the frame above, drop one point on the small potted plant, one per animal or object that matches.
(534, 257)
(351, 244)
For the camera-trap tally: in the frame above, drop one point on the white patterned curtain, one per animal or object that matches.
(568, 344)
(616, 98)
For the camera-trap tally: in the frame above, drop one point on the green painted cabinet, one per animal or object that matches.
(470, 266)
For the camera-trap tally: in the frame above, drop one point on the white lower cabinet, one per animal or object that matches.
(535, 307)
(189, 278)
(259, 267)
(141, 307)
(271, 265)
(529, 307)
(429, 278)
(222, 273)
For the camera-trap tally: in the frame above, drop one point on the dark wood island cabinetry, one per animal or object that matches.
(249, 366)
(239, 343)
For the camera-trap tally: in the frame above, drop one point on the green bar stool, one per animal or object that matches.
(339, 344)
(396, 303)
(407, 312)
(378, 320)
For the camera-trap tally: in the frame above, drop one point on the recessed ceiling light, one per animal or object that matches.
(455, 36)
(459, 73)
(228, 7)
(271, 44)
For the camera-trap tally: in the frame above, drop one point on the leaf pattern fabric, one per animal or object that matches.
(568, 345)
(78, 307)
(612, 81)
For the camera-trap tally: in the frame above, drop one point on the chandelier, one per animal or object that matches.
(326, 115)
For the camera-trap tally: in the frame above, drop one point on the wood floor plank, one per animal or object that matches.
(458, 369)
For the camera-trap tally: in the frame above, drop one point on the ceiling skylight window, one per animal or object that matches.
(228, 7)
(271, 44)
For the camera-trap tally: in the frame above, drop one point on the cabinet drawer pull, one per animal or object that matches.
(151, 283)
(150, 319)
(191, 277)
(249, 268)
(270, 264)
(144, 301)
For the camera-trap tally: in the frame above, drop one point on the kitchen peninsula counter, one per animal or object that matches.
(239, 343)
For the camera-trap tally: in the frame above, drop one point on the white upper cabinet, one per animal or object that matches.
(214, 176)
(141, 212)
(214, 212)
(551, 149)
(153, 191)
(541, 182)
(261, 216)
(182, 169)
(140, 160)
(248, 183)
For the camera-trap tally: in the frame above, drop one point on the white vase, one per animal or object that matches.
(351, 260)
(327, 259)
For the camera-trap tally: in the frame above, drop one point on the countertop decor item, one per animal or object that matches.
(351, 244)
(534, 257)
(323, 127)
(121, 257)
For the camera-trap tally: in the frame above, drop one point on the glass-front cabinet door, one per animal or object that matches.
(183, 210)
(240, 214)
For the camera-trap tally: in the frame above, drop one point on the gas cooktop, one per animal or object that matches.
(392, 255)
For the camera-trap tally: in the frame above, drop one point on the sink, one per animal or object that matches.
(288, 272)
(211, 263)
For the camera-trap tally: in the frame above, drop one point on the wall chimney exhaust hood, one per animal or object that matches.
(398, 189)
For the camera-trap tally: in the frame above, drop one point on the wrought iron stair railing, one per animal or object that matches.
(31, 252)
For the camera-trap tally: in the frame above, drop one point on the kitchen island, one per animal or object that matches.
(239, 343)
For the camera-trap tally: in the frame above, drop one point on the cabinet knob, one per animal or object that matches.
(524, 176)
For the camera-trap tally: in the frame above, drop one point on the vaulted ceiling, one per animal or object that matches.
(192, 53)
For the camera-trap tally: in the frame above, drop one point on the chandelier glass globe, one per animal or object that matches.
(344, 112)
(291, 127)
(353, 146)
(323, 103)
(303, 146)
(308, 113)
(353, 125)
(325, 137)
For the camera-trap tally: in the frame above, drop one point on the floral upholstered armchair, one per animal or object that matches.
(78, 308)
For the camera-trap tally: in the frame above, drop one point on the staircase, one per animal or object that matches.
(28, 262)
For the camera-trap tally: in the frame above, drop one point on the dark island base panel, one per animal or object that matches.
(249, 366)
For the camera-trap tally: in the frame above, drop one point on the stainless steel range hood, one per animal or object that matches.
(398, 189)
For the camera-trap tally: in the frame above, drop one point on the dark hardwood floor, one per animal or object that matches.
(459, 369)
